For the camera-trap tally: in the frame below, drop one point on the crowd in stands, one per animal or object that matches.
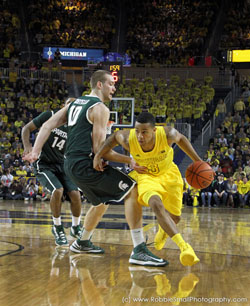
(74, 24)
(168, 32)
(236, 28)
(229, 157)
(10, 24)
(175, 102)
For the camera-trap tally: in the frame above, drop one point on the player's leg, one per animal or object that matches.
(165, 198)
(161, 236)
(140, 254)
(83, 244)
(187, 256)
(48, 179)
(75, 206)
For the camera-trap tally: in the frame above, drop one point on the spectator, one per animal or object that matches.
(244, 189)
(221, 110)
(206, 194)
(16, 191)
(220, 194)
(231, 189)
(31, 190)
(6, 181)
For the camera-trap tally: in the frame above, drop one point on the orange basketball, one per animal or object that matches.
(199, 175)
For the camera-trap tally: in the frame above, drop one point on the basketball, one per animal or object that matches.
(199, 175)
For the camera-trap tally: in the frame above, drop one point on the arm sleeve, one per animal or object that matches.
(43, 117)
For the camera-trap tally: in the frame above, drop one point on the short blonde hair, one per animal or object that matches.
(99, 75)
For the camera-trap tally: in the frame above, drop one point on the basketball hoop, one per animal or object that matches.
(109, 127)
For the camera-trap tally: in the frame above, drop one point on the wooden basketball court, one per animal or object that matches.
(34, 272)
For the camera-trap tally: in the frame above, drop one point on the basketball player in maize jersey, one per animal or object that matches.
(87, 118)
(161, 187)
(49, 171)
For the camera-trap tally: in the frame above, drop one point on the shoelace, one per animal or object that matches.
(62, 235)
(151, 243)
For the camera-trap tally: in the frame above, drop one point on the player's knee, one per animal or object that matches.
(156, 204)
(58, 193)
(74, 196)
(100, 209)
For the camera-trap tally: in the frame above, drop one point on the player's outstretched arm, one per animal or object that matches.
(173, 136)
(55, 121)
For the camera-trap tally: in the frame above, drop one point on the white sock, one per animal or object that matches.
(137, 236)
(57, 221)
(76, 220)
(86, 235)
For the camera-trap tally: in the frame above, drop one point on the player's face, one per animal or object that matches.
(145, 133)
(108, 88)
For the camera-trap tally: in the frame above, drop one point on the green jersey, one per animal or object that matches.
(80, 127)
(54, 147)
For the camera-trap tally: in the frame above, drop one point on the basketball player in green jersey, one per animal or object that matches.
(87, 118)
(161, 187)
(49, 171)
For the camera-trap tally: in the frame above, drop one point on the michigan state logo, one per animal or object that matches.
(123, 186)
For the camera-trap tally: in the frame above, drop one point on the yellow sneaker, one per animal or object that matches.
(160, 238)
(188, 256)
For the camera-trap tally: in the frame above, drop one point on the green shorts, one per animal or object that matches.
(52, 176)
(108, 187)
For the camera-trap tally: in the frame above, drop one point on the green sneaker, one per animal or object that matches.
(76, 231)
(85, 246)
(142, 256)
(61, 239)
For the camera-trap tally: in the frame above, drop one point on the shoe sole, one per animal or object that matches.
(153, 270)
(148, 263)
(62, 245)
(85, 252)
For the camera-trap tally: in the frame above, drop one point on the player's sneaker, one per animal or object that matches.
(160, 238)
(85, 246)
(76, 231)
(142, 256)
(61, 239)
(188, 256)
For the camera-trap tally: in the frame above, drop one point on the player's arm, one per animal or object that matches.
(173, 136)
(105, 151)
(55, 121)
(99, 115)
(26, 130)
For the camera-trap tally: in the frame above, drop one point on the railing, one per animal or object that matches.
(206, 129)
(33, 74)
(184, 128)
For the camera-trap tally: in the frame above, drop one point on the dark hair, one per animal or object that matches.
(99, 75)
(145, 117)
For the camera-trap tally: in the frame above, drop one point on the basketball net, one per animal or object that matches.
(109, 127)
